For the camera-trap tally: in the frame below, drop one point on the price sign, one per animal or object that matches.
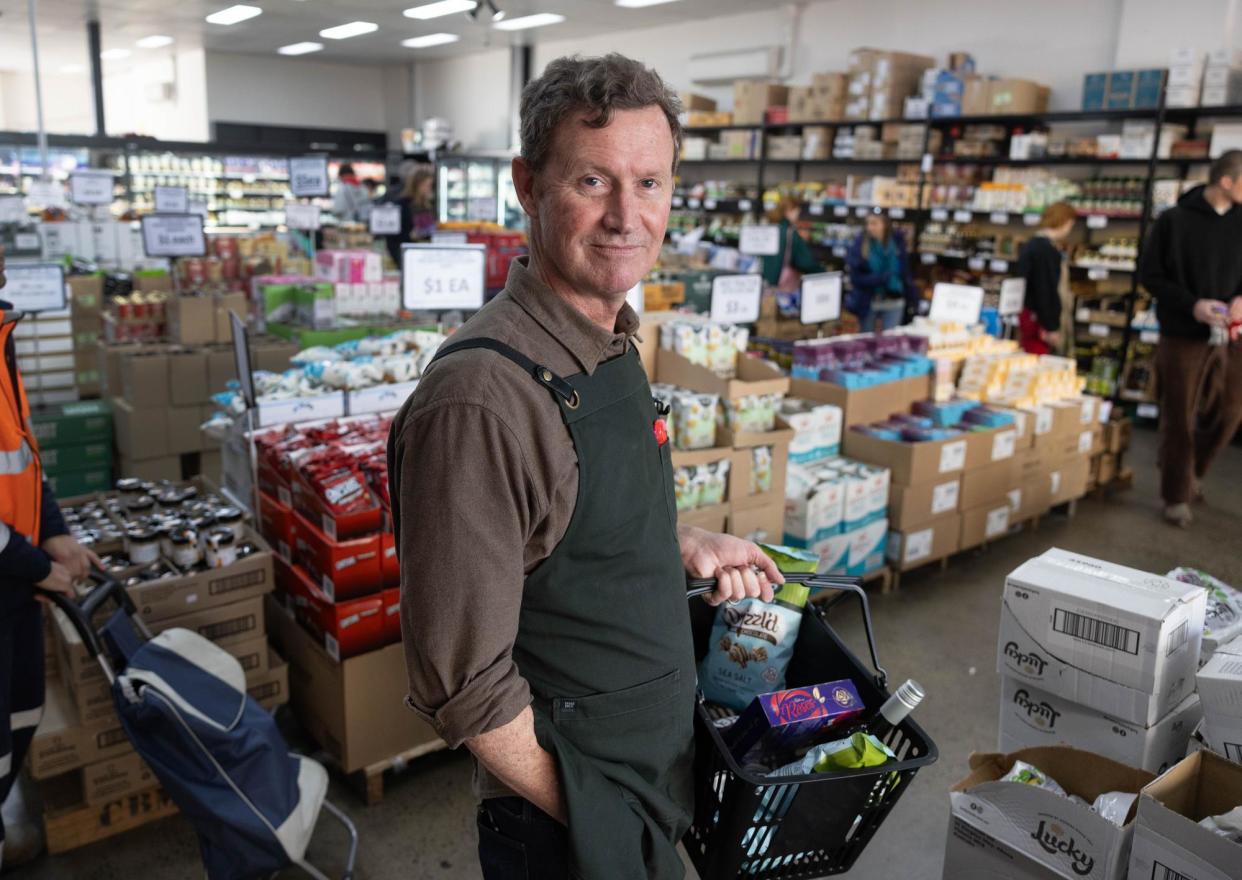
(1149, 337)
(46, 194)
(956, 303)
(448, 238)
(961, 216)
(821, 297)
(926, 164)
(172, 200)
(939, 215)
(1097, 221)
(1000, 218)
(437, 277)
(1097, 273)
(36, 287)
(12, 209)
(308, 175)
(745, 205)
(91, 187)
(173, 235)
(928, 259)
(760, 240)
(1099, 330)
(976, 264)
(999, 265)
(735, 298)
(26, 241)
(1012, 296)
(897, 213)
(385, 220)
(840, 211)
(301, 216)
(1030, 219)
(709, 204)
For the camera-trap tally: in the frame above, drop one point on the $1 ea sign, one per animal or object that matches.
(173, 235)
(436, 277)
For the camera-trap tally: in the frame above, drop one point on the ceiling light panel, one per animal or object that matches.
(638, 4)
(114, 54)
(234, 14)
(443, 7)
(155, 41)
(541, 19)
(300, 48)
(427, 40)
(352, 29)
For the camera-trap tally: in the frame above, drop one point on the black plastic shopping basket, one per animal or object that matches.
(749, 826)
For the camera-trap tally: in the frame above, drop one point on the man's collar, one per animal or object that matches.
(586, 341)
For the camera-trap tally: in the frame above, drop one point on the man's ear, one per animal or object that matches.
(524, 184)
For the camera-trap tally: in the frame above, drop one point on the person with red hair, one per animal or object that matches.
(1046, 323)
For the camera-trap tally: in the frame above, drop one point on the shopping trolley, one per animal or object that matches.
(182, 701)
(749, 825)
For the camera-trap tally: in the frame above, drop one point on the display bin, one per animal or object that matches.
(748, 825)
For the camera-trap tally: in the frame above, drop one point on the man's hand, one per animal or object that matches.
(59, 581)
(1212, 312)
(66, 550)
(731, 561)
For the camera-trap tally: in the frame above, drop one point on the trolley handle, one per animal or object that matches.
(81, 611)
(702, 586)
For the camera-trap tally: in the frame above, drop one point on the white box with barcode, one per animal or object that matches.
(1135, 629)
(1031, 717)
(1219, 683)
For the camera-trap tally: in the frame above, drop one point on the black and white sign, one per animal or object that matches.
(172, 200)
(761, 241)
(308, 175)
(36, 287)
(26, 241)
(1000, 218)
(299, 215)
(241, 359)
(386, 220)
(1012, 296)
(436, 277)
(173, 235)
(939, 215)
(46, 194)
(735, 298)
(1097, 221)
(448, 238)
(91, 187)
(956, 303)
(821, 297)
(12, 209)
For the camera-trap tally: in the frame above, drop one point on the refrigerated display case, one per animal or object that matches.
(477, 188)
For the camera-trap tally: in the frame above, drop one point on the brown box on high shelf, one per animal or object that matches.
(166, 467)
(144, 380)
(921, 543)
(751, 98)
(832, 86)
(1009, 96)
(187, 377)
(703, 118)
(765, 523)
(977, 97)
(347, 706)
(691, 101)
(140, 433)
(658, 297)
(784, 146)
(191, 319)
(223, 304)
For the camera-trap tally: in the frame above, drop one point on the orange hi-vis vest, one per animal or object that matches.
(21, 473)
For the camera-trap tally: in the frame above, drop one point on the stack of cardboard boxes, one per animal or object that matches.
(1219, 682)
(75, 446)
(752, 98)
(881, 80)
(1101, 657)
(1125, 89)
(699, 111)
(1222, 79)
(55, 350)
(1185, 79)
(822, 101)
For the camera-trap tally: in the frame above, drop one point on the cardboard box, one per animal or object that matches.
(691, 101)
(140, 433)
(911, 505)
(68, 828)
(62, 743)
(977, 97)
(166, 467)
(751, 99)
(1014, 96)
(931, 461)
(1135, 629)
(1022, 832)
(59, 459)
(115, 778)
(986, 523)
(1068, 481)
(713, 518)
(753, 376)
(354, 708)
(187, 377)
(85, 293)
(344, 568)
(185, 429)
(221, 368)
(223, 304)
(864, 405)
(927, 542)
(990, 483)
(761, 524)
(1168, 841)
(144, 380)
(191, 320)
(743, 467)
(1219, 683)
(1031, 717)
(867, 548)
(71, 424)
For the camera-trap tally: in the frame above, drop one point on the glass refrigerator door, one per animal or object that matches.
(510, 214)
(481, 176)
(452, 191)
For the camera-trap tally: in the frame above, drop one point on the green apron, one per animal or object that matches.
(604, 635)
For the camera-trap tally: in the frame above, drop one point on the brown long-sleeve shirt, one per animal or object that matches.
(483, 481)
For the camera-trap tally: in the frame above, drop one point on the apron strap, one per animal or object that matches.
(542, 375)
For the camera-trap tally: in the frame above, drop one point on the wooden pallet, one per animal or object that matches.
(369, 781)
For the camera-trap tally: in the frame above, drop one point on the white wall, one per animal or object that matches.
(134, 103)
(67, 107)
(1150, 28)
(472, 91)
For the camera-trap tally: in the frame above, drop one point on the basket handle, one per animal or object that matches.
(702, 586)
(81, 611)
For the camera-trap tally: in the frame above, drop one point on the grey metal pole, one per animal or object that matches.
(31, 7)
(94, 45)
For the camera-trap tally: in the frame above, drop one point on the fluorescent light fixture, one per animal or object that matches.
(114, 54)
(637, 4)
(71, 69)
(352, 29)
(234, 14)
(155, 41)
(429, 40)
(442, 7)
(300, 48)
(529, 21)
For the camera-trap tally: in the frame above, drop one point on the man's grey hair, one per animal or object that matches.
(596, 87)
(1228, 164)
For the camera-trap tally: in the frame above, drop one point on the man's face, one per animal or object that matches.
(1233, 186)
(600, 204)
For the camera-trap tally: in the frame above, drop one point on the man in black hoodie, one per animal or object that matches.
(1193, 266)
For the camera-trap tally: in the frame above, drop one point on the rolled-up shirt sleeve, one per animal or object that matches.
(465, 504)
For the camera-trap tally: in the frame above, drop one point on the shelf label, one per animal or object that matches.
(36, 287)
(962, 216)
(678, 201)
(1097, 221)
(897, 213)
(999, 265)
(976, 264)
(1012, 296)
(1148, 411)
(299, 215)
(940, 215)
(709, 204)
(172, 200)
(385, 220)
(821, 297)
(735, 298)
(1100, 330)
(12, 209)
(816, 208)
(944, 497)
(1150, 337)
(840, 211)
(926, 164)
(1097, 273)
(1031, 219)
(760, 241)
(91, 187)
(173, 235)
(745, 205)
(694, 204)
(301, 409)
(839, 251)
(436, 277)
(1000, 218)
(956, 303)
(862, 211)
(308, 175)
(928, 259)
(449, 238)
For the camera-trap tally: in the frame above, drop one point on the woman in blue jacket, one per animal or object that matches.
(881, 286)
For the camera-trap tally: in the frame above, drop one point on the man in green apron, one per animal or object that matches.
(543, 571)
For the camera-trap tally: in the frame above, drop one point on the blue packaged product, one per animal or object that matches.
(776, 725)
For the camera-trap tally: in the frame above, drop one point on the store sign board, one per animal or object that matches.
(760, 241)
(301, 216)
(172, 200)
(91, 187)
(1012, 296)
(821, 297)
(735, 298)
(308, 175)
(45, 194)
(448, 238)
(173, 235)
(35, 287)
(386, 220)
(12, 209)
(957, 303)
(436, 277)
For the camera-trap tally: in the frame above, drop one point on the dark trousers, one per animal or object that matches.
(1200, 409)
(518, 841)
(21, 688)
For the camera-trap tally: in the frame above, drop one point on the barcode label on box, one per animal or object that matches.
(1099, 632)
(1178, 639)
(333, 648)
(1043, 420)
(997, 522)
(1003, 445)
(953, 456)
(1161, 871)
(1015, 500)
(1084, 442)
(918, 546)
(944, 497)
(1054, 482)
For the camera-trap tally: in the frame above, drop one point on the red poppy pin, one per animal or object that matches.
(661, 432)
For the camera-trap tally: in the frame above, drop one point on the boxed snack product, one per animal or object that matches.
(776, 725)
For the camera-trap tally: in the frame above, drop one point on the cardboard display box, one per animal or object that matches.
(742, 470)
(863, 405)
(145, 380)
(753, 376)
(141, 434)
(909, 506)
(989, 483)
(1068, 480)
(187, 377)
(713, 518)
(751, 99)
(763, 523)
(986, 523)
(61, 743)
(933, 460)
(191, 320)
(69, 424)
(70, 827)
(927, 542)
(1022, 832)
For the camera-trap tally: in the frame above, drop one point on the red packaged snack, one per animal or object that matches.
(342, 568)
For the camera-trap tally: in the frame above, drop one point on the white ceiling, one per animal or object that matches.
(61, 25)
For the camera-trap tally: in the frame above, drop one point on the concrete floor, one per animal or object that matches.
(940, 628)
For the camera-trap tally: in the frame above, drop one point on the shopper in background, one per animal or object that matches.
(418, 210)
(530, 474)
(36, 550)
(350, 203)
(880, 283)
(1192, 264)
(1046, 323)
(784, 269)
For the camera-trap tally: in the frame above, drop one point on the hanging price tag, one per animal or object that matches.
(12, 209)
(821, 297)
(436, 277)
(928, 259)
(35, 287)
(840, 211)
(308, 175)
(301, 216)
(173, 235)
(1030, 219)
(759, 241)
(940, 215)
(45, 194)
(385, 220)
(91, 187)
(172, 200)
(897, 213)
(1012, 296)
(999, 265)
(999, 217)
(962, 216)
(956, 303)
(1097, 273)
(1097, 221)
(735, 298)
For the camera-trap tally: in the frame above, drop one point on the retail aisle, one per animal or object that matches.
(940, 629)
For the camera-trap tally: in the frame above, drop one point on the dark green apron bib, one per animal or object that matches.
(604, 636)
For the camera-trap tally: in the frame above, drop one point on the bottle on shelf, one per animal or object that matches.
(895, 709)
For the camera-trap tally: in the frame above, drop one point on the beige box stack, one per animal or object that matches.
(822, 101)
(880, 81)
(54, 349)
(752, 98)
